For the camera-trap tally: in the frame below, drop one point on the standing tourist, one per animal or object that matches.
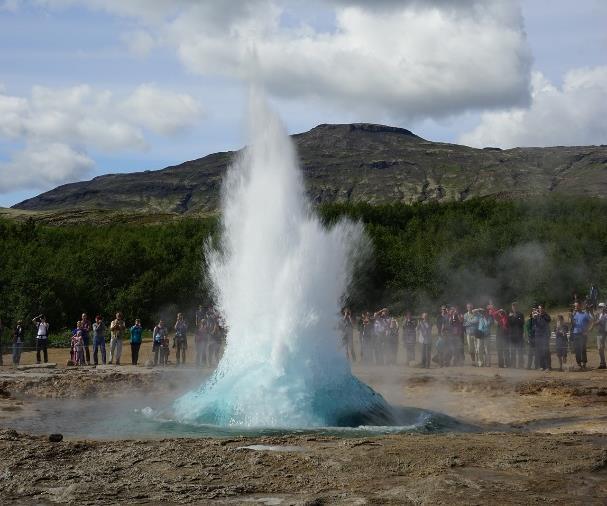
(530, 331)
(483, 359)
(502, 338)
(77, 347)
(602, 334)
(181, 339)
(365, 335)
(42, 327)
(456, 336)
(18, 338)
(471, 328)
(409, 338)
(580, 323)
(541, 329)
(158, 336)
(516, 326)
(214, 347)
(561, 330)
(391, 350)
(200, 341)
(347, 329)
(424, 336)
(117, 329)
(379, 335)
(85, 327)
(135, 332)
(98, 340)
(199, 315)
(443, 355)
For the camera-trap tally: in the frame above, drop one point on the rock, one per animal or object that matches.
(55, 438)
(49, 365)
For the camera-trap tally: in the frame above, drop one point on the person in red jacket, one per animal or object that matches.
(502, 336)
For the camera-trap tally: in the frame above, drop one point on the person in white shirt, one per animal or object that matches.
(41, 337)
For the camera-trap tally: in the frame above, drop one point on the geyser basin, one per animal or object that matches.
(279, 277)
(130, 418)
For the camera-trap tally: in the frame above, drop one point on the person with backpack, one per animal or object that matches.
(181, 340)
(42, 327)
(601, 337)
(135, 332)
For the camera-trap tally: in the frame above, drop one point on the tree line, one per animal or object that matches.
(423, 255)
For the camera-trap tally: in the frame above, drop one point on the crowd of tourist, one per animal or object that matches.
(443, 340)
(209, 338)
(519, 341)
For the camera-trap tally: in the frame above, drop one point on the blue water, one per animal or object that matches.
(134, 419)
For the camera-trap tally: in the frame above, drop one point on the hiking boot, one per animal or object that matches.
(602, 366)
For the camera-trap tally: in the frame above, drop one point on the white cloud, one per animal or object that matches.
(404, 58)
(407, 61)
(40, 166)
(161, 111)
(572, 114)
(62, 124)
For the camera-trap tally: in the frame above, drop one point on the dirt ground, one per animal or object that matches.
(542, 439)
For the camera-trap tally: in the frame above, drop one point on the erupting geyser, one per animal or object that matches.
(279, 276)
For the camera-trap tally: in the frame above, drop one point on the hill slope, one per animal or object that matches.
(357, 162)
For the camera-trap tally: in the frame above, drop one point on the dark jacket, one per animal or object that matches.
(516, 324)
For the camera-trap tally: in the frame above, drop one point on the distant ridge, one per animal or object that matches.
(359, 162)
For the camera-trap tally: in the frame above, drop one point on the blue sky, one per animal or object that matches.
(92, 87)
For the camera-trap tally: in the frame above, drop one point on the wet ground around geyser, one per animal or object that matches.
(543, 442)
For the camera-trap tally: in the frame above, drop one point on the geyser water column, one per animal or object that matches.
(278, 278)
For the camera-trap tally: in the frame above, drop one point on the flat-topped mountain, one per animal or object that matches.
(353, 163)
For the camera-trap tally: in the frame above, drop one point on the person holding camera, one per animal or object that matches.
(541, 326)
(42, 327)
(516, 326)
(581, 322)
(471, 329)
(98, 340)
(117, 329)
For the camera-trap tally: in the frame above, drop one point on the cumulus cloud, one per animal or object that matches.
(571, 114)
(41, 166)
(403, 58)
(163, 112)
(59, 125)
(408, 61)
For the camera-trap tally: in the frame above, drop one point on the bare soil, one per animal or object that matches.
(542, 441)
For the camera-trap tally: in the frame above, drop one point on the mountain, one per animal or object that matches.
(354, 162)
